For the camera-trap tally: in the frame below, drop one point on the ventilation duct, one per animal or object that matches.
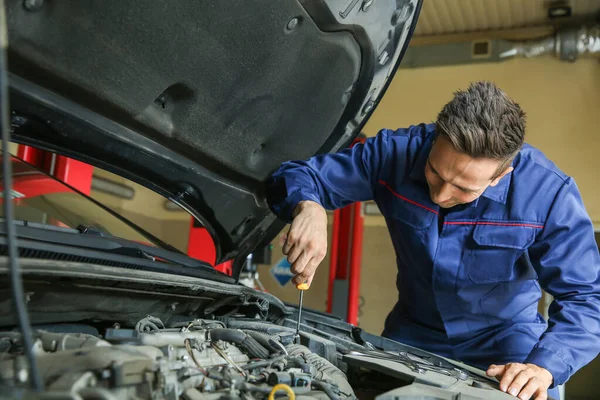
(113, 188)
(566, 44)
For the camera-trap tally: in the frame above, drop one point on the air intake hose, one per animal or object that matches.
(326, 371)
(264, 340)
(246, 343)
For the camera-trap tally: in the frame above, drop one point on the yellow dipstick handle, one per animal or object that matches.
(283, 387)
(301, 287)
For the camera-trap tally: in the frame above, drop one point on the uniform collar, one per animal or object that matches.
(417, 172)
(498, 193)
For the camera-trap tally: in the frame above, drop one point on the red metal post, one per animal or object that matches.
(79, 175)
(345, 249)
(346, 254)
(74, 173)
(31, 155)
(202, 247)
(225, 267)
(200, 243)
(333, 258)
(355, 264)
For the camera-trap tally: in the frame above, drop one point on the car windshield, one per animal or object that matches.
(40, 198)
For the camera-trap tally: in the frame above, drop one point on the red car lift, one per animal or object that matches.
(74, 173)
(202, 247)
(79, 175)
(345, 260)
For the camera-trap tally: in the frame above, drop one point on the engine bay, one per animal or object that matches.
(103, 332)
(208, 359)
(196, 360)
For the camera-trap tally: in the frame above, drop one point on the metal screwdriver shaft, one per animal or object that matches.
(301, 287)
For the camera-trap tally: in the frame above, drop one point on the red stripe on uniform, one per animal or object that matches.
(407, 200)
(493, 223)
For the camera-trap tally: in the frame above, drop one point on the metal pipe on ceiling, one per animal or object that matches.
(566, 44)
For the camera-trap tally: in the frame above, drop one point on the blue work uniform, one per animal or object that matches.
(469, 277)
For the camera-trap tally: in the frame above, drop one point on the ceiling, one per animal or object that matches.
(443, 17)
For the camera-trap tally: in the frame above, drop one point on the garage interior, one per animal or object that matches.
(561, 99)
(456, 42)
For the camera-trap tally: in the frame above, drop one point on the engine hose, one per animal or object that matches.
(264, 340)
(326, 387)
(265, 328)
(254, 348)
(263, 364)
(215, 375)
(247, 343)
(325, 369)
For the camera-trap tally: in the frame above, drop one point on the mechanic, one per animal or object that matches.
(477, 218)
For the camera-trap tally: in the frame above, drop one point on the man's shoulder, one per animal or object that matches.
(536, 180)
(532, 164)
(404, 147)
(420, 131)
(411, 138)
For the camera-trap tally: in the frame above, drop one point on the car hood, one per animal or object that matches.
(201, 101)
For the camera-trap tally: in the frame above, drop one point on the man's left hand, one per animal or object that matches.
(522, 380)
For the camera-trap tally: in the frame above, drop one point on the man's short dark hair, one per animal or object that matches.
(483, 122)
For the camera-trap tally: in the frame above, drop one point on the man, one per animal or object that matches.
(477, 219)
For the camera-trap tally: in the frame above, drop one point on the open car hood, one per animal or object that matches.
(201, 101)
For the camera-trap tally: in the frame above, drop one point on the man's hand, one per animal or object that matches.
(306, 243)
(522, 380)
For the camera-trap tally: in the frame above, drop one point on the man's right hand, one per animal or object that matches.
(306, 242)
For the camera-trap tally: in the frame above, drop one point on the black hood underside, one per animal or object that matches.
(200, 101)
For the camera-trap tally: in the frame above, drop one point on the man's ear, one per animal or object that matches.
(495, 181)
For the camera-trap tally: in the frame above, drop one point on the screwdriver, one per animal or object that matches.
(301, 287)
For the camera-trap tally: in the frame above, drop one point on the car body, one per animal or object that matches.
(199, 102)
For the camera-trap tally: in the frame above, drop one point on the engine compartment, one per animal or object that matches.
(199, 359)
(220, 359)
(102, 332)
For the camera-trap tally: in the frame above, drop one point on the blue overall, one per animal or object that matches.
(469, 277)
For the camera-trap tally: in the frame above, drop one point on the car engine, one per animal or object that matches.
(110, 333)
(200, 359)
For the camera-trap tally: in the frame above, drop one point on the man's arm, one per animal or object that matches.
(300, 191)
(331, 180)
(567, 261)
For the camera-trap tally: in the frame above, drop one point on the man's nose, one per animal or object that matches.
(444, 194)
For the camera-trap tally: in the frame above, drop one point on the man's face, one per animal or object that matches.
(455, 178)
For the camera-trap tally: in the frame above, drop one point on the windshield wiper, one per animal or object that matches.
(130, 251)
